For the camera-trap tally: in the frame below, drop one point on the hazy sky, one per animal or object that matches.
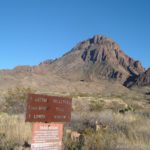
(34, 30)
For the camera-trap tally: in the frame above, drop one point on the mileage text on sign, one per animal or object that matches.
(43, 108)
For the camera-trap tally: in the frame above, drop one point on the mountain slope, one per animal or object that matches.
(95, 59)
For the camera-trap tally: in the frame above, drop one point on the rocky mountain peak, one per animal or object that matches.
(97, 58)
(98, 40)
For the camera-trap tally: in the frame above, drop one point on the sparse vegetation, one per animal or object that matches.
(123, 131)
(125, 123)
(103, 123)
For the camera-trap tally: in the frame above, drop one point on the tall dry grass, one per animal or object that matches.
(13, 131)
(129, 130)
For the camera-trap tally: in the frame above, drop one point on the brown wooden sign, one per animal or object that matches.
(43, 108)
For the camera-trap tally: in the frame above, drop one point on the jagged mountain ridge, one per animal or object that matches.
(97, 58)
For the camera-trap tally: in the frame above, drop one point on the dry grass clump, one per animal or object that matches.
(14, 100)
(13, 131)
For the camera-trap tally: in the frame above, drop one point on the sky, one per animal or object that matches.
(32, 31)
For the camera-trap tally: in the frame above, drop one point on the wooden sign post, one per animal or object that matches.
(43, 109)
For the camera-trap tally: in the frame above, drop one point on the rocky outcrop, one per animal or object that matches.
(144, 78)
(47, 62)
(141, 80)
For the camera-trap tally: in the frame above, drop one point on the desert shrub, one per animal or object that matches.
(80, 104)
(15, 100)
(96, 105)
(70, 144)
(99, 140)
(129, 108)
